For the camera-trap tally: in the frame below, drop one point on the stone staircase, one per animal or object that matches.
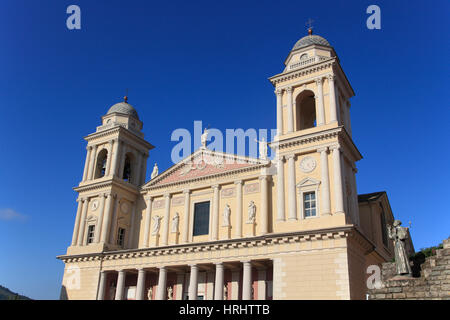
(433, 283)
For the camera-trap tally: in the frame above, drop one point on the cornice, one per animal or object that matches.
(118, 130)
(258, 241)
(108, 183)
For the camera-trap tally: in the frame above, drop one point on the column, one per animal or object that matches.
(137, 177)
(281, 216)
(101, 286)
(113, 222)
(77, 222)
(144, 169)
(325, 184)
(165, 237)
(278, 92)
(120, 285)
(292, 199)
(140, 286)
(108, 159)
(114, 158)
(86, 162)
(337, 177)
(193, 284)
(320, 109)
(83, 222)
(98, 227)
(215, 217)
(218, 284)
(186, 216)
(132, 226)
(247, 281)
(148, 217)
(332, 96)
(107, 219)
(290, 123)
(162, 280)
(238, 208)
(92, 163)
(262, 292)
(123, 153)
(264, 205)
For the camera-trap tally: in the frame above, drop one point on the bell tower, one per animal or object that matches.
(314, 136)
(115, 168)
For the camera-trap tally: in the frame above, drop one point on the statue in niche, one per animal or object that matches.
(204, 138)
(225, 292)
(226, 216)
(399, 235)
(150, 293)
(262, 148)
(175, 221)
(251, 212)
(156, 224)
(169, 293)
(155, 171)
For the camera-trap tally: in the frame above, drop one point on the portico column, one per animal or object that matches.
(320, 110)
(77, 222)
(215, 217)
(162, 280)
(140, 286)
(186, 216)
(193, 284)
(290, 110)
(107, 219)
(238, 208)
(292, 200)
(108, 159)
(325, 184)
(83, 222)
(247, 281)
(120, 285)
(148, 217)
(92, 163)
(278, 92)
(264, 205)
(332, 96)
(86, 163)
(101, 286)
(98, 228)
(114, 158)
(165, 237)
(218, 285)
(280, 189)
(337, 177)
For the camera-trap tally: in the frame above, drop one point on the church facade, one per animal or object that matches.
(228, 227)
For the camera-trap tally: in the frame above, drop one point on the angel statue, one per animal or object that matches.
(204, 138)
(399, 235)
(156, 225)
(251, 212)
(155, 171)
(262, 148)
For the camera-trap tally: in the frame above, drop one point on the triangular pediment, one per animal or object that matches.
(308, 182)
(203, 163)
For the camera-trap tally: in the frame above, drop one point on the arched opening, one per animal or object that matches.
(100, 169)
(128, 167)
(305, 110)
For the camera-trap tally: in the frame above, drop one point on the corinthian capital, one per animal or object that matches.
(278, 92)
(289, 89)
(318, 81)
(331, 77)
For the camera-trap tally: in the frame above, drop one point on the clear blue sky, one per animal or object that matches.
(206, 60)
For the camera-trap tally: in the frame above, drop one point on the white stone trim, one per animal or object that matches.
(308, 185)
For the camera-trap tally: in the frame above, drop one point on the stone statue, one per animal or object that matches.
(226, 216)
(251, 212)
(169, 293)
(150, 293)
(155, 171)
(225, 292)
(262, 148)
(156, 224)
(204, 138)
(175, 221)
(399, 235)
(112, 292)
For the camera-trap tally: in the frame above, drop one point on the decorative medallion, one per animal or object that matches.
(94, 205)
(124, 207)
(308, 164)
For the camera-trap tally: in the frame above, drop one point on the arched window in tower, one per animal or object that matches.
(305, 111)
(100, 169)
(128, 167)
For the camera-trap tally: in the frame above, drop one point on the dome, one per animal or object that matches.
(125, 108)
(309, 40)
